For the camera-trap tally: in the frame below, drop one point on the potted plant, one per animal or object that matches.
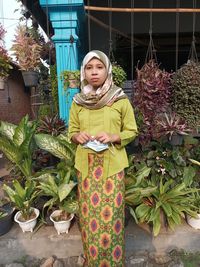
(61, 199)
(70, 78)
(152, 92)
(23, 198)
(28, 52)
(59, 184)
(172, 126)
(6, 216)
(5, 61)
(17, 144)
(186, 90)
(119, 75)
(166, 206)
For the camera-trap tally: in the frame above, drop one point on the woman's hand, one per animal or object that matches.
(81, 138)
(108, 138)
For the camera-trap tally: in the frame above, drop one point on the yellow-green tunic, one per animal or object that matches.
(101, 182)
(116, 119)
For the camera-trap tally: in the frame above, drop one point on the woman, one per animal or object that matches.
(101, 123)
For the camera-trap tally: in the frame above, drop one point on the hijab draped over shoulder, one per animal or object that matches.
(106, 94)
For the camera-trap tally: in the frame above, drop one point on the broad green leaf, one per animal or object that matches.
(188, 175)
(10, 151)
(7, 129)
(142, 210)
(141, 174)
(65, 189)
(52, 145)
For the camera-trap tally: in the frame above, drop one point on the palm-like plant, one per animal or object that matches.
(17, 144)
(22, 197)
(171, 200)
(51, 125)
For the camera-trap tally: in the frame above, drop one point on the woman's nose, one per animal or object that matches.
(94, 71)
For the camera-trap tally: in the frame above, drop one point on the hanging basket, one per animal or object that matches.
(2, 83)
(30, 78)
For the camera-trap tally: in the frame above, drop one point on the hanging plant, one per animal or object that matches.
(70, 78)
(119, 75)
(152, 92)
(186, 92)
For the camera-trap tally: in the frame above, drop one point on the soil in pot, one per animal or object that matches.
(30, 217)
(63, 216)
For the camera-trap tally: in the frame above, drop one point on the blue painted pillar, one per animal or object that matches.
(67, 18)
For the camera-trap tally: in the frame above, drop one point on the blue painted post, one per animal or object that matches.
(66, 16)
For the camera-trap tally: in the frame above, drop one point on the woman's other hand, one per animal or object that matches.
(108, 138)
(81, 138)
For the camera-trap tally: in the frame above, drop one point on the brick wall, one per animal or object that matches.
(14, 99)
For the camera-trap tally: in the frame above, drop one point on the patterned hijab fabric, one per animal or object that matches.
(106, 94)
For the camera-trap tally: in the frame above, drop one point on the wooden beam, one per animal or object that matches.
(143, 10)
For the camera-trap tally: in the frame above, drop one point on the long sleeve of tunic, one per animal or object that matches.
(116, 119)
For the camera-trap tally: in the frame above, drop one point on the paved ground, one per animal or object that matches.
(45, 248)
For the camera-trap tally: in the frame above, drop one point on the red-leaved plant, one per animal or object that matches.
(152, 93)
(169, 124)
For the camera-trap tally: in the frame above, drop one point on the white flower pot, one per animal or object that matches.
(61, 226)
(29, 225)
(194, 222)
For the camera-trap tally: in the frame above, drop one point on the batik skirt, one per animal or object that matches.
(101, 204)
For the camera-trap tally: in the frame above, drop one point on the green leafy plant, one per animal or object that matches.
(54, 88)
(59, 183)
(186, 90)
(5, 61)
(26, 49)
(171, 200)
(119, 75)
(70, 78)
(168, 162)
(22, 197)
(17, 143)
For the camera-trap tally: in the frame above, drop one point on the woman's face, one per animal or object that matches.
(95, 73)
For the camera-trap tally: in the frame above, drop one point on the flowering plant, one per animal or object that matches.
(5, 64)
